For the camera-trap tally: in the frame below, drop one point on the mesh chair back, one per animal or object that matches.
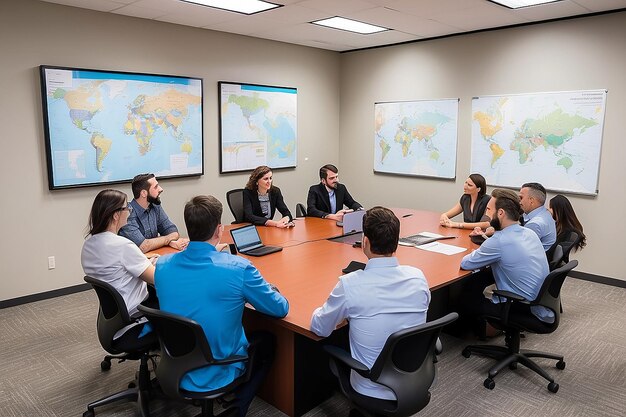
(300, 210)
(571, 240)
(557, 257)
(112, 314)
(184, 347)
(234, 198)
(406, 364)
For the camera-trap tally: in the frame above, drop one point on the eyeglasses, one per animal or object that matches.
(126, 207)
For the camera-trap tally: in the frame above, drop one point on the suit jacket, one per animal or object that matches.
(252, 211)
(318, 203)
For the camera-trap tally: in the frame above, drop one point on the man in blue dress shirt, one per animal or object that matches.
(537, 218)
(378, 301)
(516, 256)
(212, 287)
(148, 226)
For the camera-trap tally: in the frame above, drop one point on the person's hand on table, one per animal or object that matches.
(180, 243)
(444, 220)
(222, 247)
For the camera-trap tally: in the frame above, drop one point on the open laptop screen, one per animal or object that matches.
(353, 222)
(246, 238)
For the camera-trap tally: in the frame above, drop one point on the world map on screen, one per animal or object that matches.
(550, 138)
(416, 137)
(258, 126)
(109, 127)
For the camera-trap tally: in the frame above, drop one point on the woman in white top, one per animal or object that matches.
(112, 258)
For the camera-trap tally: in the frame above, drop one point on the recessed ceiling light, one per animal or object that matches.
(239, 6)
(518, 4)
(349, 25)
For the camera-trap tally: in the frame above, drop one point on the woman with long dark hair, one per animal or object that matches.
(566, 220)
(472, 204)
(261, 199)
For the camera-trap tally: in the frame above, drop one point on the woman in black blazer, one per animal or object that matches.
(261, 199)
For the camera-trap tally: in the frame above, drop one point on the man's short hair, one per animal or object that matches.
(508, 201)
(382, 228)
(140, 182)
(202, 215)
(324, 170)
(537, 191)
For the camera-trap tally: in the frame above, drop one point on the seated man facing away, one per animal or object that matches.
(532, 197)
(378, 301)
(326, 199)
(516, 256)
(148, 225)
(212, 288)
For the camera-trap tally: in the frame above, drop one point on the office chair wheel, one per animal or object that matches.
(466, 353)
(132, 384)
(553, 387)
(105, 365)
(88, 413)
(560, 365)
(491, 384)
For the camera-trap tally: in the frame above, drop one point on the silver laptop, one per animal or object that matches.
(248, 242)
(353, 222)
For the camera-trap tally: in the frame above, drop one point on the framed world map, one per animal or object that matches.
(258, 126)
(553, 138)
(417, 138)
(105, 127)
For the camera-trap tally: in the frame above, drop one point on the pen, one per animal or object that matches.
(407, 215)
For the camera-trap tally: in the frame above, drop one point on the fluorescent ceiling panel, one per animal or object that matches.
(349, 25)
(518, 4)
(239, 6)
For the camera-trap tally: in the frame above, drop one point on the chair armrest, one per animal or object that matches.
(230, 359)
(509, 295)
(345, 358)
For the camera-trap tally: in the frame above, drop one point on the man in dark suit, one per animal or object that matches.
(327, 199)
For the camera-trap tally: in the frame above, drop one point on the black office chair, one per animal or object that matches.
(567, 243)
(300, 210)
(184, 347)
(406, 365)
(234, 198)
(513, 323)
(556, 259)
(113, 316)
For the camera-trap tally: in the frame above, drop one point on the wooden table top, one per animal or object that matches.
(308, 267)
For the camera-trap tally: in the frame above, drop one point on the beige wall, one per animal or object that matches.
(38, 223)
(579, 54)
(335, 107)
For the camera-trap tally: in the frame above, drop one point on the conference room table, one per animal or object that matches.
(305, 272)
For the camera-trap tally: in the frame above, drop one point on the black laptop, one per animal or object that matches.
(248, 242)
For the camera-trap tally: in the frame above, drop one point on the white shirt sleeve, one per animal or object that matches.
(134, 260)
(326, 318)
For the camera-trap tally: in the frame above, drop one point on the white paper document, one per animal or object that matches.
(441, 248)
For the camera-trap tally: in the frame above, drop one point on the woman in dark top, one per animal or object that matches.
(472, 204)
(566, 220)
(261, 199)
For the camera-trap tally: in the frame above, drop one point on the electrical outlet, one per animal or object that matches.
(51, 262)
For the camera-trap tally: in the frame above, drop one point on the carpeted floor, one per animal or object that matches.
(50, 356)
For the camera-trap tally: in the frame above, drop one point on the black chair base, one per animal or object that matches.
(510, 359)
(139, 391)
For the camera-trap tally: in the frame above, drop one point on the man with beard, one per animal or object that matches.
(326, 199)
(148, 226)
(516, 257)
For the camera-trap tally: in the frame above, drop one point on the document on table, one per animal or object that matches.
(441, 248)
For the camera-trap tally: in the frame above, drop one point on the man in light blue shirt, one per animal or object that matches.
(537, 218)
(212, 287)
(378, 301)
(516, 256)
